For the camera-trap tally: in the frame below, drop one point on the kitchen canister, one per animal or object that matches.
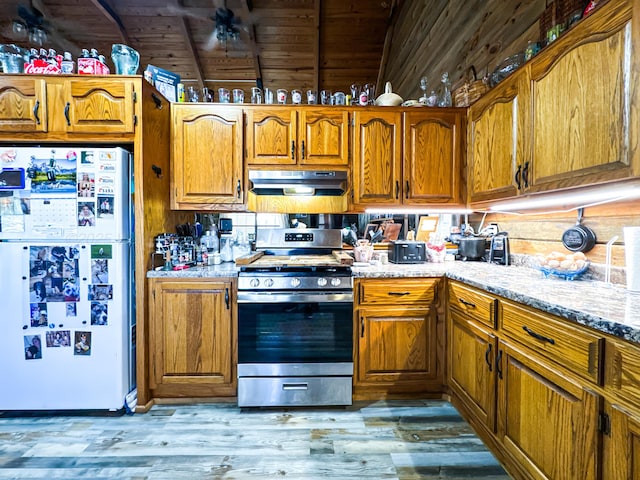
(632, 257)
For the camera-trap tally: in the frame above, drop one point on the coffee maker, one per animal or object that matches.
(499, 249)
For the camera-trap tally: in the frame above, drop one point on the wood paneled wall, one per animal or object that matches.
(435, 36)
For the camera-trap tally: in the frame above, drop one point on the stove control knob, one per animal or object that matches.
(335, 282)
(268, 282)
(322, 282)
(254, 282)
(295, 282)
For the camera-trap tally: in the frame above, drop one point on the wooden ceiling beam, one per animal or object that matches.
(393, 16)
(316, 47)
(251, 31)
(113, 17)
(191, 50)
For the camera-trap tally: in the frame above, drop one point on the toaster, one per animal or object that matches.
(406, 251)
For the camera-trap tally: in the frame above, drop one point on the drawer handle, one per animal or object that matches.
(399, 294)
(486, 357)
(538, 336)
(295, 386)
(468, 304)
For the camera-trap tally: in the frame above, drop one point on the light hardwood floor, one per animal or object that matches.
(402, 440)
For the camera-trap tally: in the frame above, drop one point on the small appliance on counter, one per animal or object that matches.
(407, 251)
(499, 249)
(471, 248)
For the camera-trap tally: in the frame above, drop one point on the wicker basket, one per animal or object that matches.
(469, 92)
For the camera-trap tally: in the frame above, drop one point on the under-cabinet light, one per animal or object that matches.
(583, 198)
(298, 191)
(419, 211)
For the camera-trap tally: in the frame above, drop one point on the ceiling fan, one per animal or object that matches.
(229, 28)
(33, 24)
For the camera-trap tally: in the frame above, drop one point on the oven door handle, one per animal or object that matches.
(294, 297)
(295, 386)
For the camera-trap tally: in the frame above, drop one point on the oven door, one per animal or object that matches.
(295, 349)
(282, 328)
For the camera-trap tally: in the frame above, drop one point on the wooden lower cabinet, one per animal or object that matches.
(547, 420)
(397, 331)
(539, 416)
(472, 350)
(621, 459)
(192, 338)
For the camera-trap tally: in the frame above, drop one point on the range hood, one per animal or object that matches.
(317, 183)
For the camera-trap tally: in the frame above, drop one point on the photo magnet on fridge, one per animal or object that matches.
(32, 347)
(82, 345)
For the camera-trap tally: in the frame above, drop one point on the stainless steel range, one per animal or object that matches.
(295, 322)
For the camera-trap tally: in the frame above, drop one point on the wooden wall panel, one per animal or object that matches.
(435, 36)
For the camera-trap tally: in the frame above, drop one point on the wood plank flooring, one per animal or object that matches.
(399, 440)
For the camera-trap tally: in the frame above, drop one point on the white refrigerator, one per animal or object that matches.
(66, 296)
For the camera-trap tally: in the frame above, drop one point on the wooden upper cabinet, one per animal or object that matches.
(62, 106)
(377, 157)
(271, 136)
(297, 136)
(581, 103)
(496, 140)
(323, 136)
(23, 104)
(206, 162)
(432, 156)
(98, 105)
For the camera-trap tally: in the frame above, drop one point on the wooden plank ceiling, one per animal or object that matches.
(320, 44)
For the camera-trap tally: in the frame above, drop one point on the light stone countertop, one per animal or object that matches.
(609, 309)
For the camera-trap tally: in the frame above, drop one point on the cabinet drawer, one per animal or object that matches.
(474, 303)
(571, 346)
(394, 291)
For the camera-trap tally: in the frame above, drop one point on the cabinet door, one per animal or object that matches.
(97, 106)
(396, 346)
(206, 167)
(472, 351)
(23, 106)
(496, 138)
(323, 136)
(271, 136)
(432, 157)
(377, 157)
(192, 338)
(547, 421)
(581, 104)
(622, 448)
